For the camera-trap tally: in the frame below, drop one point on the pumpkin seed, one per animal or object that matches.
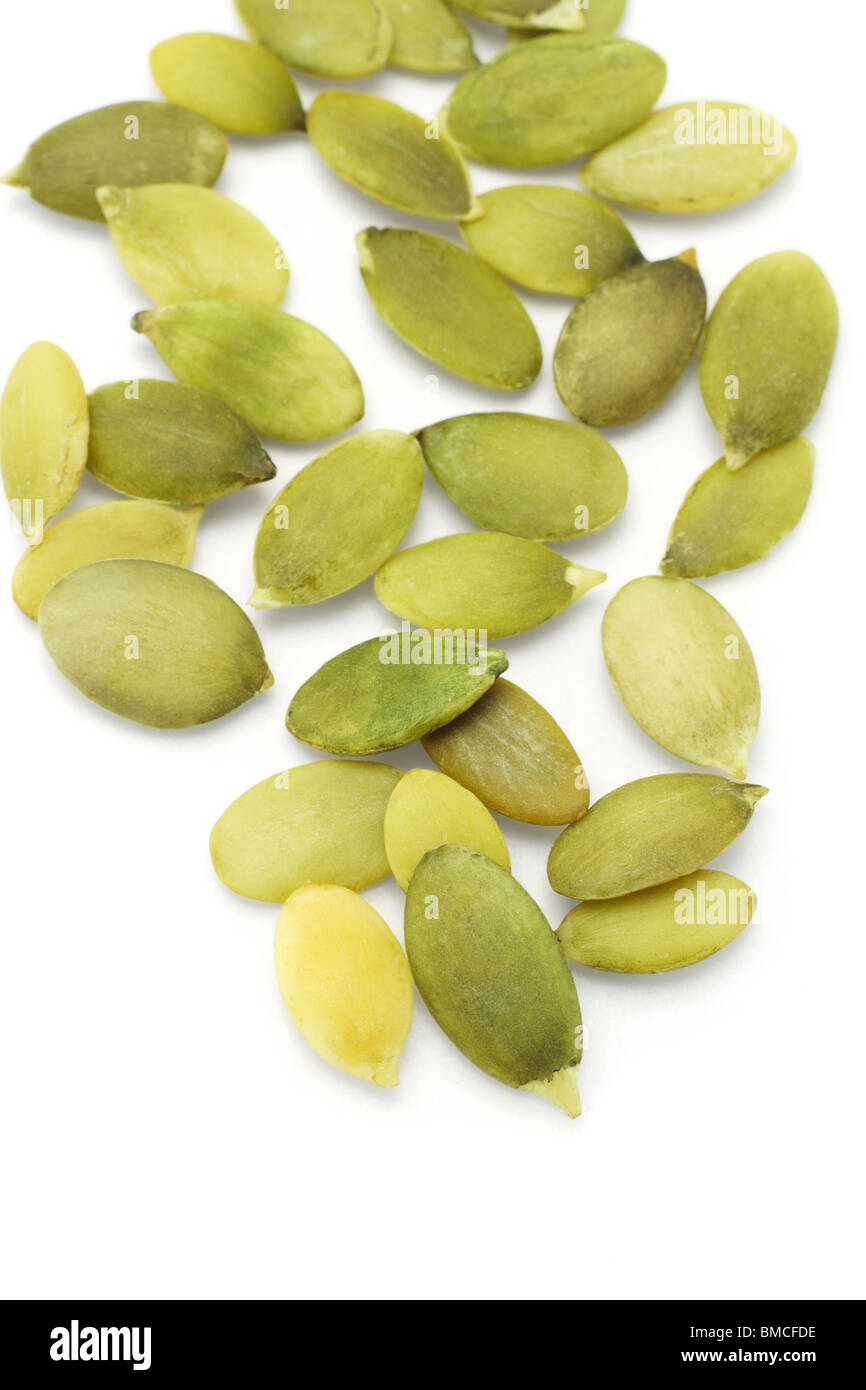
(43, 435)
(767, 353)
(450, 306)
(684, 671)
(730, 519)
(600, 17)
(181, 242)
(552, 14)
(390, 690)
(137, 428)
(513, 755)
(625, 347)
(153, 643)
(649, 832)
(428, 37)
(328, 38)
(427, 809)
(133, 143)
(239, 86)
(546, 480)
(693, 157)
(345, 981)
(492, 974)
(292, 828)
(481, 580)
(281, 374)
(662, 928)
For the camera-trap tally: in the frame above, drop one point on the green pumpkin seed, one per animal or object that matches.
(427, 809)
(428, 37)
(550, 239)
(513, 755)
(328, 38)
(549, 101)
(732, 518)
(181, 242)
(767, 353)
(600, 18)
(684, 671)
(281, 374)
(625, 347)
(481, 580)
(552, 14)
(546, 480)
(492, 974)
(153, 643)
(663, 928)
(338, 519)
(390, 690)
(133, 143)
(693, 157)
(135, 431)
(320, 823)
(649, 832)
(108, 531)
(239, 86)
(43, 435)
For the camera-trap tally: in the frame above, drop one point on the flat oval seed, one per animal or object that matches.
(390, 690)
(684, 671)
(450, 306)
(44, 428)
(546, 480)
(732, 518)
(661, 928)
(624, 348)
(239, 86)
(135, 431)
(391, 154)
(513, 755)
(427, 809)
(481, 580)
(550, 239)
(180, 242)
(492, 974)
(328, 38)
(428, 37)
(153, 643)
(549, 101)
(692, 157)
(338, 519)
(133, 143)
(108, 531)
(542, 14)
(320, 823)
(649, 832)
(767, 353)
(345, 981)
(281, 374)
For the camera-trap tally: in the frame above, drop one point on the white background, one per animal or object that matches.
(168, 1133)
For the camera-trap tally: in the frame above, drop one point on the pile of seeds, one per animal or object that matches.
(134, 629)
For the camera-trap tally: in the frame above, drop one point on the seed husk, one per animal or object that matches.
(730, 518)
(600, 18)
(550, 239)
(338, 519)
(180, 242)
(345, 981)
(390, 690)
(154, 643)
(281, 374)
(658, 168)
(481, 580)
(552, 100)
(767, 353)
(427, 809)
(662, 928)
(239, 86)
(44, 428)
(650, 832)
(684, 671)
(328, 38)
(545, 480)
(428, 37)
(136, 430)
(108, 531)
(542, 14)
(492, 973)
(450, 306)
(514, 756)
(320, 823)
(624, 348)
(130, 144)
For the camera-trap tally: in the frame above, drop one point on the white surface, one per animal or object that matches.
(168, 1132)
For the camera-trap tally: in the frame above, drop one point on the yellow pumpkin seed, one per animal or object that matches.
(428, 37)
(44, 428)
(427, 809)
(239, 86)
(328, 38)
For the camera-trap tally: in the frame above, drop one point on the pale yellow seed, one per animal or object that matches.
(427, 809)
(44, 428)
